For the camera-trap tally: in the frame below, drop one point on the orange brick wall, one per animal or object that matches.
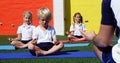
(11, 12)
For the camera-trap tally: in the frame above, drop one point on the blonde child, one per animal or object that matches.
(44, 36)
(24, 32)
(74, 34)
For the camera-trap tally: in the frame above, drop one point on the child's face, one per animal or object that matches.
(27, 19)
(77, 18)
(44, 21)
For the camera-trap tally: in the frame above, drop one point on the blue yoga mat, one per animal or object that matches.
(22, 55)
(76, 45)
(7, 47)
(114, 40)
(11, 47)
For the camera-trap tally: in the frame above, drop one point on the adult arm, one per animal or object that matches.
(105, 35)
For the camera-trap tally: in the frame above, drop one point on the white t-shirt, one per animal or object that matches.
(77, 27)
(44, 36)
(26, 31)
(115, 5)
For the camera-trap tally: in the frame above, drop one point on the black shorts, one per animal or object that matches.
(78, 36)
(25, 41)
(44, 46)
(107, 56)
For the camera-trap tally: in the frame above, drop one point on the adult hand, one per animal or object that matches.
(88, 36)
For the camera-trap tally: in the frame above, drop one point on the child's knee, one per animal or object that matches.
(13, 42)
(61, 45)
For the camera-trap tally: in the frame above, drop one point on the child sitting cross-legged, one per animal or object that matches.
(44, 36)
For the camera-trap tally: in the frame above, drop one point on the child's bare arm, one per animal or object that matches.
(15, 39)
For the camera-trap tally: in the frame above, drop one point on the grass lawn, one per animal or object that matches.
(4, 41)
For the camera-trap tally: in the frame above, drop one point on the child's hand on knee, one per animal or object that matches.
(56, 42)
(10, 39)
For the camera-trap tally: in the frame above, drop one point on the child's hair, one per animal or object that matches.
(28, 13)
(46, 12)
(77, 13)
